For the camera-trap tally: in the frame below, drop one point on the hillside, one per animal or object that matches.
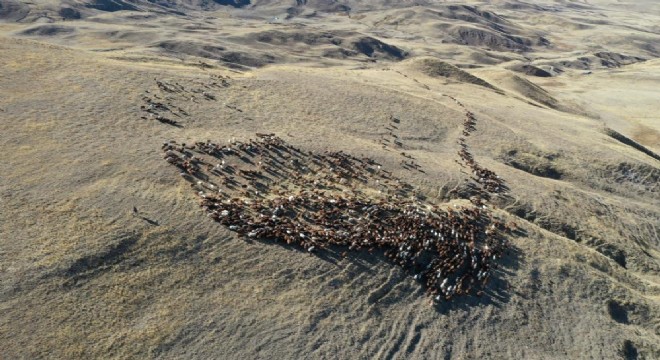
(109, 251)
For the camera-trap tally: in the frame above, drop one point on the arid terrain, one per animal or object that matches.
(105, 252)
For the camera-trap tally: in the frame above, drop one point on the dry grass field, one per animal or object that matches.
(565, 94)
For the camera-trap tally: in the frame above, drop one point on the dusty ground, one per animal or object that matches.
(566, 100)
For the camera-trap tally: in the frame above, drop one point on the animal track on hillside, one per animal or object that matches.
(168, 99)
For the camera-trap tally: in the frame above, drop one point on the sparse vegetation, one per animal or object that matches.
(105, 253)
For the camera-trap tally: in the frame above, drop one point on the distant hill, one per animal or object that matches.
(13, 10)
